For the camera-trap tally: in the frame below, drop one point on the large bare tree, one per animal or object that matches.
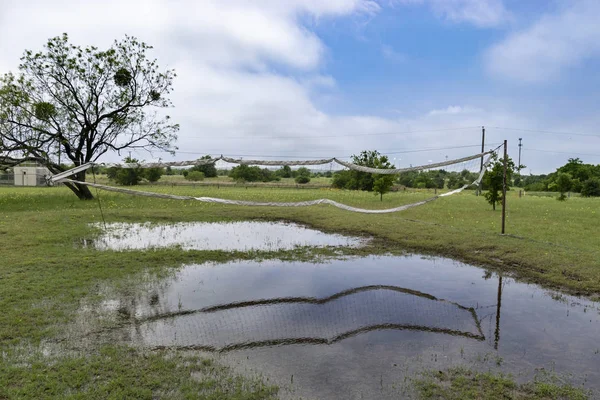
(82, 103)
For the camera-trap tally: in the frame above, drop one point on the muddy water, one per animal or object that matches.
(357, 328)
(242, 236)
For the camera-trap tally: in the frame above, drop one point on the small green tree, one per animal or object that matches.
(563, 184)
(494, 178)
(358, 180)
(364, 180)
(195, 176)
(153, 174)
(383, 184)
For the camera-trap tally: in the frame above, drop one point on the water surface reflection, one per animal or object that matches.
(358, 327)
(241, 236)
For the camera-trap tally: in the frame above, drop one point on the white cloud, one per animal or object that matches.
(319, 82)
(223, 52)
(222, 32)
(453, 110)
(481, 13)
(229, 96)
(391, 54)
(551, 45)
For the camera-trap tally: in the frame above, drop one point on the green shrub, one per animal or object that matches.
(302, 179)
(194, 176)
(153, 174)
(245, 173)
(341, 179)
(209, 170)
(284, 172)
(127, 176)
(591, 188)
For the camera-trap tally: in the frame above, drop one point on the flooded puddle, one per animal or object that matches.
(228, 236)
(356, 328)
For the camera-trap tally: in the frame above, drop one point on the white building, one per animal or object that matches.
(30, 175)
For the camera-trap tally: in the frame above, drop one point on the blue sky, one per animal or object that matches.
(279, 78)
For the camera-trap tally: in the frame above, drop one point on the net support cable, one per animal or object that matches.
(298, 203)
(381, 171)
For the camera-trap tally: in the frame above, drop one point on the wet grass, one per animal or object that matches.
(464, 384)
(549, 242)
(45, 272)
(123, 373)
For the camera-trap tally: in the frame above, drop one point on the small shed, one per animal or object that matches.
(30, 175)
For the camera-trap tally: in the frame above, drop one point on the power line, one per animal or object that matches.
(248, 155)
(563, 152)
(341, 136)
(437, 148)
(548, 132)
(314, 156)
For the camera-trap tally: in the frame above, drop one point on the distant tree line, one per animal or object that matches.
(436, 179)
(574, 176)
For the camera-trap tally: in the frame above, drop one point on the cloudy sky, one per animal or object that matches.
(314, 78)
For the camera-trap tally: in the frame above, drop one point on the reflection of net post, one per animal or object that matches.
(498, 305)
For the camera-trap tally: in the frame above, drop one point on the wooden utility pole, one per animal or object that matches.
(520, 145)
(482, 150)
(504, 187)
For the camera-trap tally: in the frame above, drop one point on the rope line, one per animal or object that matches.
(282, 204)
(294, 163)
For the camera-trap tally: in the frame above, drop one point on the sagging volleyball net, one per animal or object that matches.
(454, 175)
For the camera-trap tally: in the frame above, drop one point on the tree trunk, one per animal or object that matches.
(494, 206)
(81, 191)
(84, 193)
(381, 197)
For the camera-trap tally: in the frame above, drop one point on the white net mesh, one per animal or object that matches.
(307, 320)
(467, 181)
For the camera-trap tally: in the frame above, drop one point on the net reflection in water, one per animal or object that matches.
(303, 320)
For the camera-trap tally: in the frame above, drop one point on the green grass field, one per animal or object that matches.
(44, 271)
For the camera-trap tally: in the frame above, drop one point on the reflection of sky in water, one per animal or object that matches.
(534, 330)
(246, 235)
